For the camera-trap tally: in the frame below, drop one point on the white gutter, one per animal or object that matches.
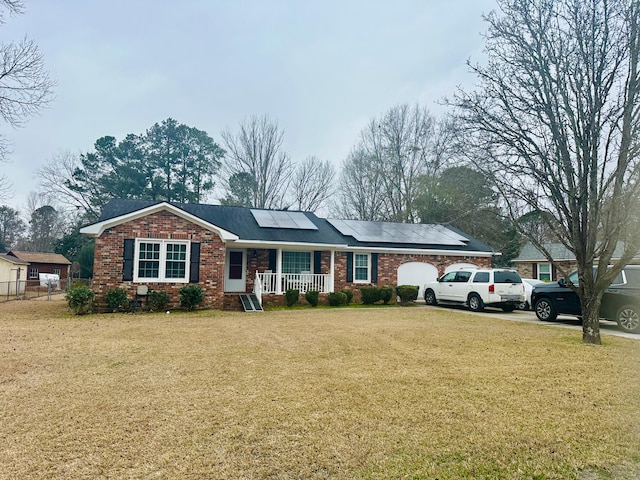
(347, 248)
(453, 253)
(271, 244)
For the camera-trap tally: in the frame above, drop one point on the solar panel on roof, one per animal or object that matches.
(283, 219)
(409, 233)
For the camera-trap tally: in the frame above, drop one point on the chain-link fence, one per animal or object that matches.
(26, 289)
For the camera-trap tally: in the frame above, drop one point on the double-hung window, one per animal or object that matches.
(544, 272)
(161, 261)
(361, 268)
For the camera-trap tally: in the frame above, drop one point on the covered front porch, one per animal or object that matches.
(267, 271)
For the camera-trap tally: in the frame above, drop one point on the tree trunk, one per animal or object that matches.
(591, 318)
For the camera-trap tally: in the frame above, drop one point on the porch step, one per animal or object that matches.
(250, 302)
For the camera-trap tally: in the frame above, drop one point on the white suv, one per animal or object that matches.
(476, 288)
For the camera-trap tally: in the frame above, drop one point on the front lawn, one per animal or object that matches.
(311, 394)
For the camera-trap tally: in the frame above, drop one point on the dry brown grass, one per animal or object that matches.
(332, 393)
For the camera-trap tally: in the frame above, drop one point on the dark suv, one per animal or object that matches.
(620, 302)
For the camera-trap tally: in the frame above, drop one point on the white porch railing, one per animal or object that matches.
(303, 282)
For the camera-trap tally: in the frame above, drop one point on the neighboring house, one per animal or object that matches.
(229, 250)
(531, 263)
(13, 275)
(49, 263)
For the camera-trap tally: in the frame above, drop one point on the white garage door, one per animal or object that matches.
(417, 273)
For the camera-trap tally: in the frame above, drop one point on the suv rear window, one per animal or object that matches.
(481, 277)
(633, 276)
(506, 277)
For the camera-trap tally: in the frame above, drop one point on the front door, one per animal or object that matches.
(235, 268)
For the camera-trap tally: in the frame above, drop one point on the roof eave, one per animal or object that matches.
(96, 229)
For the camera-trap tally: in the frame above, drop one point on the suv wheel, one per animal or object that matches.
(475, 303)
(629, 319)
(545, 311)
(430, 297)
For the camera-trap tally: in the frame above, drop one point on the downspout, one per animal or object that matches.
(331, 270)
(279, 271)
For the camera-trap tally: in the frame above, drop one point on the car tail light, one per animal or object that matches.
(492, 288)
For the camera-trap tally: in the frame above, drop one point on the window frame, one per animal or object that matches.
(33, 273)
(297, 252)
(162, 267)
(356, 267)
(549, 273)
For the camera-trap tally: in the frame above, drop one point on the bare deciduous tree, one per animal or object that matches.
(312, 184)
(257, 149)
(361, 189)
(25, 85)
(556, 121)
(53, 178)
(403, 145)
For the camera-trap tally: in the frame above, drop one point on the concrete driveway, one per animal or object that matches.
(563, 321)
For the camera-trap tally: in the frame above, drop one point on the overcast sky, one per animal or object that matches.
(321, 68)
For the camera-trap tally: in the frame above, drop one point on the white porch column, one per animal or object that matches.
(279, 271)
(331, 271)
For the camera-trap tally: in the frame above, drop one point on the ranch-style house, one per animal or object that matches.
(145, 245)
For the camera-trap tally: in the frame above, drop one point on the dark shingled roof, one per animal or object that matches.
(240, 221)
(237, 220)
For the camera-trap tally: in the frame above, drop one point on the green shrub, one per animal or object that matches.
(370, 295)
(407, 293)
(386, 294)
(337, 298)
(349, 295)
(80, 298)
(117, 299)
(292, 296)
(191, 296)
(312, 297)
(157, 300)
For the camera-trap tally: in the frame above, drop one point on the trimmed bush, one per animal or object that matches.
(291, 297)
(157, 300)
(191, 296)
(117, 299)
(312, 297)
(349, 295)
(407, 293)
(386, 294)
(337, 298)
(370, 295)
(80, 299)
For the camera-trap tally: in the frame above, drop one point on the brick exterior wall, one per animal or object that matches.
(388, 264)
(108, 257)
(526, 269)
(108, 262)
